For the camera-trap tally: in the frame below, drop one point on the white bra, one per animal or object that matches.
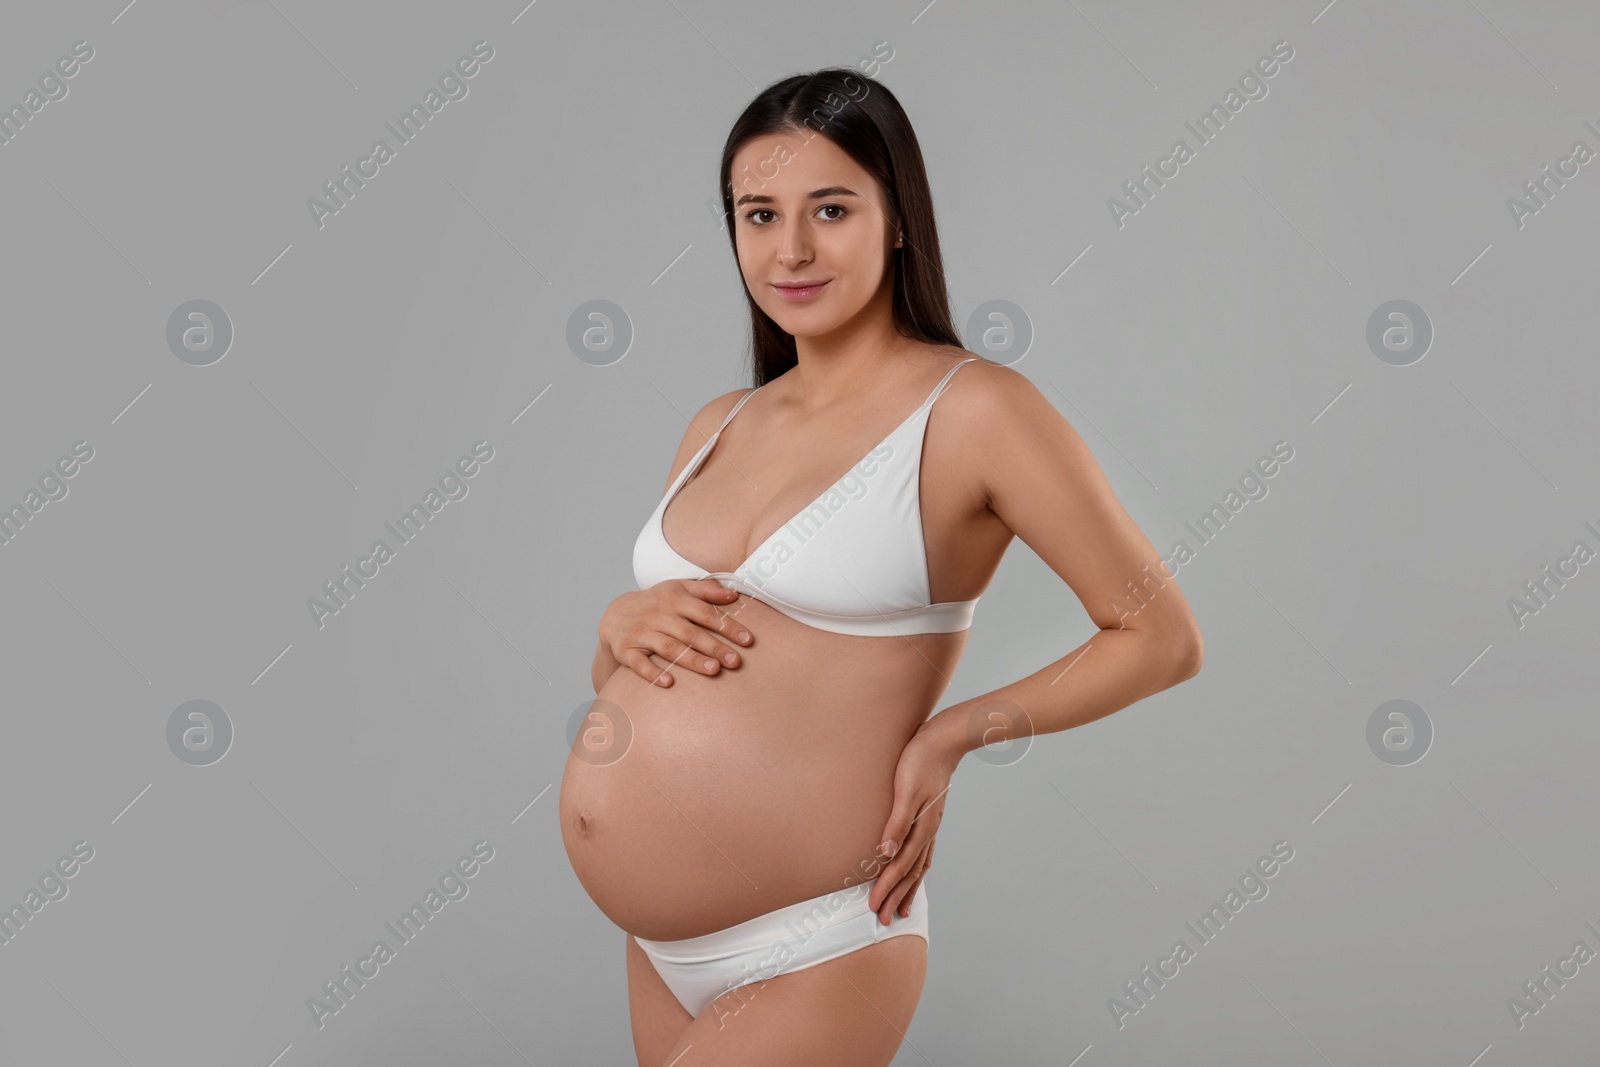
(852, 561)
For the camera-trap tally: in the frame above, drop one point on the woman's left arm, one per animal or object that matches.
(1041, 480)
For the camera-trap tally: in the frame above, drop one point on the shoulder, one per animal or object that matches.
(710, 416)
(984, 392)
(704, 423)
(1002, 422)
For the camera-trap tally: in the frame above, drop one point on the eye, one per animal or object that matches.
(840, 208)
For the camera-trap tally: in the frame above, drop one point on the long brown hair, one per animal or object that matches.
(862, 117)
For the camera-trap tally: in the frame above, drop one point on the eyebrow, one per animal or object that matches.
(816, 194)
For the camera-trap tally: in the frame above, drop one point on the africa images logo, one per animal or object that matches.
(453, 85)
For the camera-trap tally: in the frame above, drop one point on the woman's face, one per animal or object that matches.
(804, 211)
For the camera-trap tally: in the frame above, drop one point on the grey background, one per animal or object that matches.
(368, 355)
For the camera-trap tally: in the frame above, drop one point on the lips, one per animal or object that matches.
(804, 289)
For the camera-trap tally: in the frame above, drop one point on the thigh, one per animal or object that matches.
(848, 1012)
(658, 1019)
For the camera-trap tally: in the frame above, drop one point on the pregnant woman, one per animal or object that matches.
(755, 796)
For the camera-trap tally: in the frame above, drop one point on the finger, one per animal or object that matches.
(712, 590)
(912, 822)
(927, 864)
(678, 645)
(640, 662)
(903, 909)
(707, 601)
(908, 885)
(900, 832)
(905, 902)
(701, 626)
(686, 659)
(905, 860)
(723, 623)
(900, 891)
(714, 618)
(704, 643)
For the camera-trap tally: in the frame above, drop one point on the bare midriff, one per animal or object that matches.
(754, 788)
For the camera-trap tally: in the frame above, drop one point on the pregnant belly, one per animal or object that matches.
(697, 806)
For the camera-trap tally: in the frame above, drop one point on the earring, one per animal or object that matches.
(899, 237)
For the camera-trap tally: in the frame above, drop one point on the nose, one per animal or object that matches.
(794, 246)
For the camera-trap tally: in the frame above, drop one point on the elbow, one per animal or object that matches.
(1189, 652)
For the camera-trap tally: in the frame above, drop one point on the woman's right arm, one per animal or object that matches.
(694, 623)
(671, 621)
(605, 665)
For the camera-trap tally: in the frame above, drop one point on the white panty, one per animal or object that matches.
(792, 938)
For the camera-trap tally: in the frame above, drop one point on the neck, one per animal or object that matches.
(856, 357)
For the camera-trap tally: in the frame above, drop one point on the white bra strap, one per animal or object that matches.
(735, 410)
(945, 380)
(699, 455)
